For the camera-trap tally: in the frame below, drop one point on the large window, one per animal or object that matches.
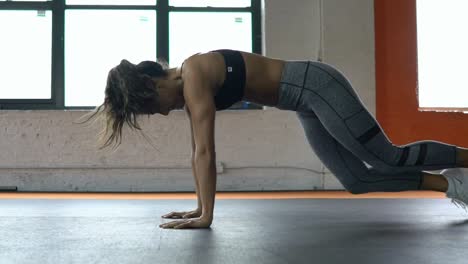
(26, 54)
(442, 53)
(56, 54)
(95, 42)
(397, 106)
(232, 30)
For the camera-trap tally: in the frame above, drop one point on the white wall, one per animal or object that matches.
(349, 43)
(292, 29)
(256, 150)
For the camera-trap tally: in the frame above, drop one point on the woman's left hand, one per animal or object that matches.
(201, 222)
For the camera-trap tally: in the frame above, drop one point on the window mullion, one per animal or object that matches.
(256, 26)
(58, 54)
(162, 27)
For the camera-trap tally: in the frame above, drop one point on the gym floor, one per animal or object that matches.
(276, 227)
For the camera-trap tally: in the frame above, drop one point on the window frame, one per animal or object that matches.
(162, 8)
(398, 110)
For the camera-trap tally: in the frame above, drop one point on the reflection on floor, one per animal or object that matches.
(227, 195)
(257, 228)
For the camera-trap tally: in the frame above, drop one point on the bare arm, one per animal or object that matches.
(194, 172)
(200, 78)
(202, 109)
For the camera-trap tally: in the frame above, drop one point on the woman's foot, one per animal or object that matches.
(457, 186)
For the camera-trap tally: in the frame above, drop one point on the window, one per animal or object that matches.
(67, 47)
(231, 30)
(397, 107)
(111, 2)
(96, 40)
(210, 3)
(442, 53)
(26, 54)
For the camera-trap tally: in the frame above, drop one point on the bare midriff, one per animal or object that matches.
(263, 77)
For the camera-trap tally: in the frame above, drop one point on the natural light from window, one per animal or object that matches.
(25, 54)
(96, 41)
(442, 53)
(111, 2)
(224, 30)
(210, 3)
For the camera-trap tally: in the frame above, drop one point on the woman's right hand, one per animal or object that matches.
(190, 214)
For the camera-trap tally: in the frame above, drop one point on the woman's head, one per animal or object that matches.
(130, 88)
(130, 91)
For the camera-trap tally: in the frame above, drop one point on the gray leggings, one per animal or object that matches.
(344, 135)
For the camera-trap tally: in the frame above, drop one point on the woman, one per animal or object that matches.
(338, 127)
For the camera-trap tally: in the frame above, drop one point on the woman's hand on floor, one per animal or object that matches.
(201, 222)
(189, 214)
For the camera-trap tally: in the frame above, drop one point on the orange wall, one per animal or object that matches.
(396, 81)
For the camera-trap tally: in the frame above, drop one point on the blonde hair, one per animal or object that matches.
(129, 92)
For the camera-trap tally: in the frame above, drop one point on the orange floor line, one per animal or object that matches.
(227, 195)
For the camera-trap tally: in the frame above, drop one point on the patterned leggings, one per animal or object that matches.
(345, 136)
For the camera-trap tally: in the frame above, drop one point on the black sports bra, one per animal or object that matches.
(232, 89)
(233, 86)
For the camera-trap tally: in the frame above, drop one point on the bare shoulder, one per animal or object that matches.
(201, 74)
(207, 66)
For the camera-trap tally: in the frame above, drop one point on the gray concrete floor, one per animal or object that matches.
(244, 231)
